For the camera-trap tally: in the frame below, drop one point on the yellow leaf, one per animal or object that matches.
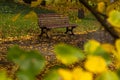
(65, 74)
(95, 64)
(31, 15)
(91, 46)
(15, 17)
(3, 75)
(114, 18)
(79, 74)
(117, 45)
(101, 7)
(35, 3)
(108, 47)
(117, 53)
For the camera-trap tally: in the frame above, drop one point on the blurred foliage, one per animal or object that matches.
(93, 65)
(94, 62)
(30, 63)
(101, 7)
(68, 54)
(96, 50)
(109, 75)
(113, 6)
(114, 18)
(3, 75)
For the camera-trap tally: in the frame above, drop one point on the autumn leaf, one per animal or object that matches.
(80, 74)
(91, 46)
(35, 3)
(114, 18)
(101, 7)
(95, 64)
(3, 75)
(107, 47)
(16, 17)
(31, 15)
(68, 54)
(65, 74)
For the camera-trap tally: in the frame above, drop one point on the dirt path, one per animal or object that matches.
(46, 46)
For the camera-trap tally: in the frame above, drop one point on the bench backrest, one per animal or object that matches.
(52, 19)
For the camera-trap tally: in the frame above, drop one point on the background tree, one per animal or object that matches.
(101, 19)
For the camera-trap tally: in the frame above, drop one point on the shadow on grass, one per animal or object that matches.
(14, 8)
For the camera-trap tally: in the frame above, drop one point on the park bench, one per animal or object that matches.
(53, 20)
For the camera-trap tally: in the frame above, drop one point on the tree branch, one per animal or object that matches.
(102, 19)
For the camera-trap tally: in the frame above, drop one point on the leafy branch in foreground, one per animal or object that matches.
(30, 63)
(96, 61)
(96, 58)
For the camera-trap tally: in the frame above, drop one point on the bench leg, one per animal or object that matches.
(44, 30)
(70, 30)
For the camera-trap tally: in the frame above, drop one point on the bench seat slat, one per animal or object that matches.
(60, 26)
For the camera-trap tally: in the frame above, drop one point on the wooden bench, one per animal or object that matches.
(53, 20)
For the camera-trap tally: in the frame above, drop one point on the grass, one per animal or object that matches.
(23, 26)
(19, 27)
(89, 23)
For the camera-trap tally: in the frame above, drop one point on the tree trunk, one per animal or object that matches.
(28, 1)
(81, 13)
(43, 3)
(101, 19)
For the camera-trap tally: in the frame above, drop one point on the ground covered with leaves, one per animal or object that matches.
(46, 45)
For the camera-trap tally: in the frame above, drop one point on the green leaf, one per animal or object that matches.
(68, 54)
(118, 73)
(24, 75)
(114, 18)
(52, 75)
(109, 75)
(15, 53)
(30, 62)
